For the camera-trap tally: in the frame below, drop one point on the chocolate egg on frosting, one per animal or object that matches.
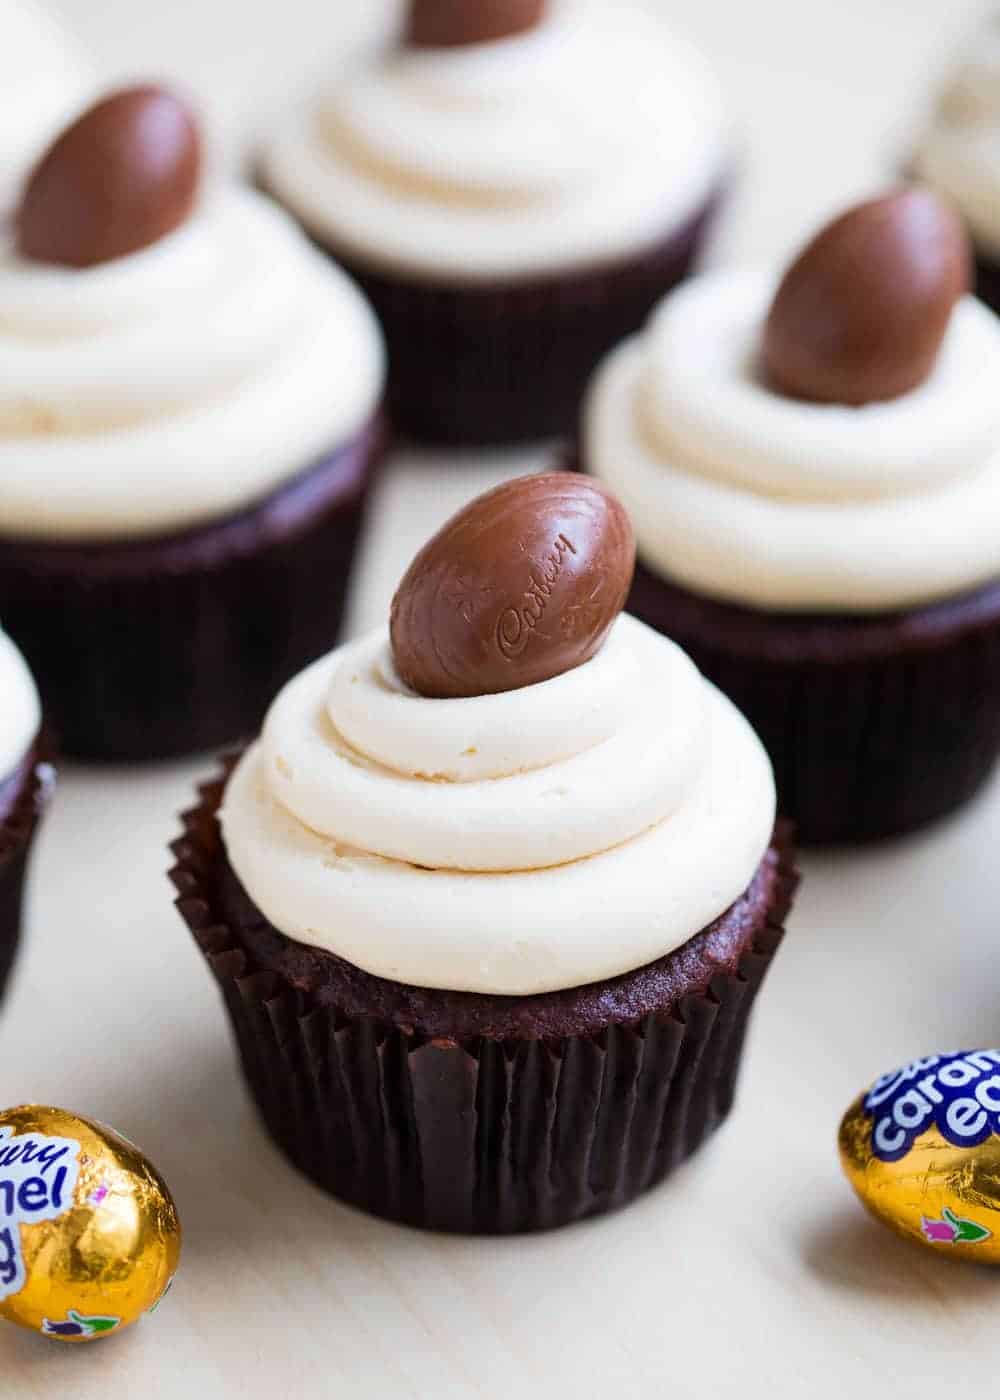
(89, 1235)
(520, 586)
(860, 315)
(922, 1150)
(124, 175)
(449, 23)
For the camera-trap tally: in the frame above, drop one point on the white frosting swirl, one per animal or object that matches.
(20, 708)
(579, 141)
(959, 152)
(539, 839)
(44, 82)
(178, 383)
(743, 494)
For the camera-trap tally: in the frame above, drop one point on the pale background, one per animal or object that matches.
(752, 1271)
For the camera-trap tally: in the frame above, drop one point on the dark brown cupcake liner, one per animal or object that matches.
(23, 798)
(508, 361)
(477, 1134)
(156, 647)
(876, 725)
(987, 280)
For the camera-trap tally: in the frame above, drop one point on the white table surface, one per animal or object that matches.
(752, 1271)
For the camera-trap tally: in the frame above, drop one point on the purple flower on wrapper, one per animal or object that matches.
(938, 1231)
(953, 1229)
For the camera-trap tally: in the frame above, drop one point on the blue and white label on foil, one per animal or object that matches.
(958, 1094)
(38, 1175)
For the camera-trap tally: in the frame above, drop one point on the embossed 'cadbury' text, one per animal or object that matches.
(516, 624)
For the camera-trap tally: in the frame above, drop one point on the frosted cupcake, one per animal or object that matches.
(514, 184)
(958, 153)
(812, 466)
(25, 783)
(189, 416)
(489, 931)
(43, 81)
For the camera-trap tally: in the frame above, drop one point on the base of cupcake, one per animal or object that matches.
(23, 797)
(508, 361)
(162, 646)
(533, 1112)
(876, 725)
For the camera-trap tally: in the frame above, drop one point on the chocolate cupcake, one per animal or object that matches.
(958, 153)
(488, 930)
(813, 473)
(43, 80)
(514, 184)
(25, 784)
(189, 417)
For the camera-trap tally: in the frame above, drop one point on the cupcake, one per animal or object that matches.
(489, 930)
(513, 184)
(189, 417)
(43, 79)
(25, 783)
(813, 471)
(958, 153)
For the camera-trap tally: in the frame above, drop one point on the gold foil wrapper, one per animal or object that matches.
(922, 1150)
(89, 1235)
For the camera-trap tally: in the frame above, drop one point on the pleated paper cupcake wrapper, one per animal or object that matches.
(155, 648)
(987, 280)
(17, 831)
(875, 728)
(508, 361)
(484, 1136)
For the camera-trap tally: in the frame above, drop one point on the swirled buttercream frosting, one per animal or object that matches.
(521, 842)
(582, 140)
(20, 709)
(746, 495)
(179, 383)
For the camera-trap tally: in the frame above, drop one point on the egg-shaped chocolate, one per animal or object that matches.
(89, 1235)
(449, 23)
(520, 586)
(922, 1150)
(123, 175)
(860, 315)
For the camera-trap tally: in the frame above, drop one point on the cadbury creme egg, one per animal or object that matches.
(521, 585)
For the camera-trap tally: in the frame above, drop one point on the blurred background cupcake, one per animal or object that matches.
(488, 930)
(513, 184)
(26, 780)
(44, 80)
(189, 417)
(958, 152)
(812, 464)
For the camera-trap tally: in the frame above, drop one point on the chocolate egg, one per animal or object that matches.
(448, 23)
(121, 177)
(922, 1150)
(520, 586)
(89, 1236)
(861, 313)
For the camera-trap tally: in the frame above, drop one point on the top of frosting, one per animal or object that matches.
(959, 150)
(494, 159)
(111, 426)
(20, 708)
(745, 494)
(43, 79)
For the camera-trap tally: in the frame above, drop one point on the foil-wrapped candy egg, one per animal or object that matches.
(922, 1150)
(89, 1236)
